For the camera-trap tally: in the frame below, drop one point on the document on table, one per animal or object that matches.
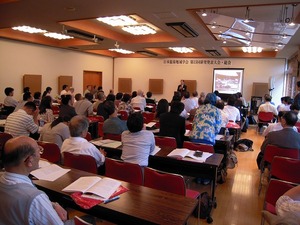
(107, 143)
(186, 154)
(49, 173)
(156, 150)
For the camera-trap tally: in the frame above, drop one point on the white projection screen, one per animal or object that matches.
(228, 81)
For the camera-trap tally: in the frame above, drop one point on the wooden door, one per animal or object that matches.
(93, 78)
(34, 82)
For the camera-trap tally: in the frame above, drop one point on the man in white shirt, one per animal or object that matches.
(65, 90)
(188, 102)
(139, 101)
(21, 201)
(232, 112)
(267, 106)
(9, 100)
(84, 106)
(77, 144)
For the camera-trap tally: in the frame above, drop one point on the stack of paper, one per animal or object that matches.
(182, 153)
(107, 143)
(49, 173)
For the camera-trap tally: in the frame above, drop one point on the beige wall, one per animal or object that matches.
(255, 70)
(19, 58)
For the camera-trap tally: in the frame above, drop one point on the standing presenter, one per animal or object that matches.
(182, 87)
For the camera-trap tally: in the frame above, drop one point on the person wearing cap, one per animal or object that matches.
(207, 121)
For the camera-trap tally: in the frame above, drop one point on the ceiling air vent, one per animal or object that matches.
(146, 53)
(213, 52)
(84, 36)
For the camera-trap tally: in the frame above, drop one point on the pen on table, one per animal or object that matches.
(111, 199)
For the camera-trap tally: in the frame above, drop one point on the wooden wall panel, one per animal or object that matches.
(68, 80)
(34, 82)
(191, 85)
(260, 89)
(156, 86)
(125, 85)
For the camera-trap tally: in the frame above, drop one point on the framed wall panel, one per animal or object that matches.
(125, 85)
(191, 85)
(156, 86)
(68, 80)
(34, 82)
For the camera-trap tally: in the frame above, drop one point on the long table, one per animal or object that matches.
(161, 161)
(139, 205)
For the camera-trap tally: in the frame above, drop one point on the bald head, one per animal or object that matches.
(17, 151)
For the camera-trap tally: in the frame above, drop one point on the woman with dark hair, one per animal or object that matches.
(56, 132)
(46, 113)
(162, 107)
(47, 92)
(137, 142)
(125, 104)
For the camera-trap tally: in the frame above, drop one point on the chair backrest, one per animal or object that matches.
(189, 126)
(124, 114)
(79, 221)
(51, 151)
(96, 118)
(163, 181)
(55, 109)
(100, 129)
(116, 137)
(125, 171)
(287, 169)
(81, 162)
(276, 188)
(198, 146)
(271, 151)
(165, 141)
(4, 137)
(88, 136)
(265, 117)
(148, 117)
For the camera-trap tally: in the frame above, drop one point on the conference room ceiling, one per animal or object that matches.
(268, 27)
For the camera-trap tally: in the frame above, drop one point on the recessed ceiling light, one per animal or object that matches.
(213, 25)
(252, 49)
(120, 50)
(118, 20)
(28, 29)
(224, 41)
(57, 36)
(141, 29)
(181, 49)
(204, 13)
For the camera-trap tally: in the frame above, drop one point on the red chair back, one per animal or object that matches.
(148, 117)
(81, 162)
(276, 188)
(265, 117)
(116, 137)
(163, 181)
(100, 129)
(198, 146)
(189, 126)
(124, 114)
(55, 109)
(271, 151)
(284, 168)
(88, 136)
(51, 151)
(96, 118)
(4, 137)
(125, 171)
(165, 141)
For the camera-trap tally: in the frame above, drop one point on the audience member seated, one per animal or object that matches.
(288, 205)
(118, 100)
(285, 104)
(21, 201)
(88, 89)
(232, 112)
(47, 92)
(240, 100)
(285, 138)
(149, 100)
(77, 144)
(125, 104)
(65, 90)
(27, 97)
(188, 102)
(37, 98)
(133, 94)
(172, 124)
(65, 108)
(100, 97)
(85, 106)
(162, 107)
(139, 101)
(217, 94)
(100, 109)
(207, 121)
(23, 122)
(225, 118)
(267, 106)
(184, 113)
(113, 125)
(195, 98)
(9, 102)
(193, 111)
(56, 132)
(137, 142)
(46, 113)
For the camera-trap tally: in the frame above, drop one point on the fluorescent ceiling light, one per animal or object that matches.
(141, 29)
(120, 50)
(57, 36)
(118, 20)
(252, 49)
(28, 29)
(183, 28)
(181, 49)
